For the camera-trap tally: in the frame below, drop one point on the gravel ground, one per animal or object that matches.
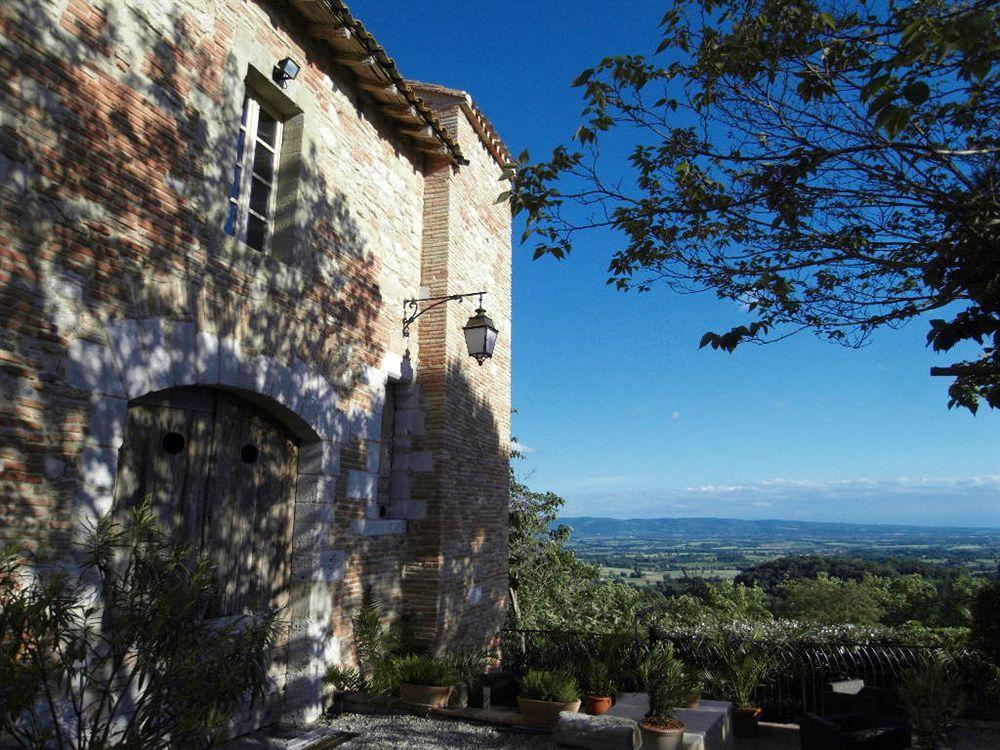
(416, 733)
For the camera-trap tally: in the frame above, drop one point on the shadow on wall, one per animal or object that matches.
(460, 548)
(116, 155)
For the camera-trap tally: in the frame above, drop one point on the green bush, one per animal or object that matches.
(549, 686)
(119, 653)
(932, 697)
(417, 669)
(984, 632)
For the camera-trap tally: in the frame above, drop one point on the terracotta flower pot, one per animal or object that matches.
(425, 696)
(544, 713)
(662, 736)
(745, 721)
(595, 705)
(694, 700)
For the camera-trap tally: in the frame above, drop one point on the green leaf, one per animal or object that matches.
(503, 197)
(584, 77)
(916, 93)
(828, 20)
(893, 120)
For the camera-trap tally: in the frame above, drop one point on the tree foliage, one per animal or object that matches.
(549, 585)
(828, 166)
(120, 653)
(985, 628)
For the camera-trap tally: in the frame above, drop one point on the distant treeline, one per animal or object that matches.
(770, 575)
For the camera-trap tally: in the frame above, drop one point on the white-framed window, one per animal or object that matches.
(251, 197)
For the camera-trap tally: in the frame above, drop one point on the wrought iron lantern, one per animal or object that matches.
(480, 333)
(480, 336)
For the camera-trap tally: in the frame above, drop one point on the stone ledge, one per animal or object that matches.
(378, 526)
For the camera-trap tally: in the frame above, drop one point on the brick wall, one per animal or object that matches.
(117, 137)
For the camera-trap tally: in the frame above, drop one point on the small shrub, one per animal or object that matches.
(933, 698)
(139, 665)
(417, 669)
(738, 667)
(596, 679)
(557, 687)
(668, 684)
(375, 645)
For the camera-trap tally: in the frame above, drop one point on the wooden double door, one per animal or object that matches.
(218, 472)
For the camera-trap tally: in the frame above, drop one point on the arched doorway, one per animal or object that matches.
(218, 471)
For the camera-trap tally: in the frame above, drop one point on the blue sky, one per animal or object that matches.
(619, 410)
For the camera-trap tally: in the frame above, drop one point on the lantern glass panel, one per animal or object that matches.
(475, 340)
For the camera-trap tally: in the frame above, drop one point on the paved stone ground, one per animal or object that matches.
(393, 732)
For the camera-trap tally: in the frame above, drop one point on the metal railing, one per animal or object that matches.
(796, 683)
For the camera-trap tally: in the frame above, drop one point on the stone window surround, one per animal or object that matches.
(153, 354)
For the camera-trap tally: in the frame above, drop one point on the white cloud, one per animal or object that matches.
(675, 415)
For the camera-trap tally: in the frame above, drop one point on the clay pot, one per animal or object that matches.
(694, 700)
(544, 713)
(745, 721)
(595, 705)
(424, 696)
(659, 737)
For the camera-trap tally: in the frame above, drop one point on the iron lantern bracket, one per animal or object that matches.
(412, 307)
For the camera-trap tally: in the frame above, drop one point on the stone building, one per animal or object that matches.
(203, 268)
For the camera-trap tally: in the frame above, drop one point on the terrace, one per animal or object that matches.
(797, 684)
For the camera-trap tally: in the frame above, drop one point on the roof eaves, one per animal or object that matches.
(488, 135)
(348, 31)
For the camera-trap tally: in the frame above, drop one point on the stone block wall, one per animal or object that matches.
(118, 128)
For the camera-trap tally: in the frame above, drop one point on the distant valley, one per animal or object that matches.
(651, 549)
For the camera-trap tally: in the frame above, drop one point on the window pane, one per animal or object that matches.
(267, 127)
(256, 233)
(263, 164)
(260, 195)
(231, 220)
(246, 109)
(240, 145)
(234, 191)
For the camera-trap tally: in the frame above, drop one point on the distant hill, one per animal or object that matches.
(734, 531)
(687, 529)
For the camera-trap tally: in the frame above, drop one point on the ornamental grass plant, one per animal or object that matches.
(556, 687)
(418, 669)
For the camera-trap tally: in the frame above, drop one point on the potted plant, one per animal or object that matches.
(598, 688)
(694, 685)
(741, 668)
(667, 688)
(545, 694)
(932, 698)
(424, 681)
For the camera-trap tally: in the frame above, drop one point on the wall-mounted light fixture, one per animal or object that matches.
(284, 71)
(480, 333)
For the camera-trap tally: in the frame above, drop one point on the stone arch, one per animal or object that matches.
(142, 356)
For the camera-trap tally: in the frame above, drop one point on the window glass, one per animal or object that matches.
(258, 145)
